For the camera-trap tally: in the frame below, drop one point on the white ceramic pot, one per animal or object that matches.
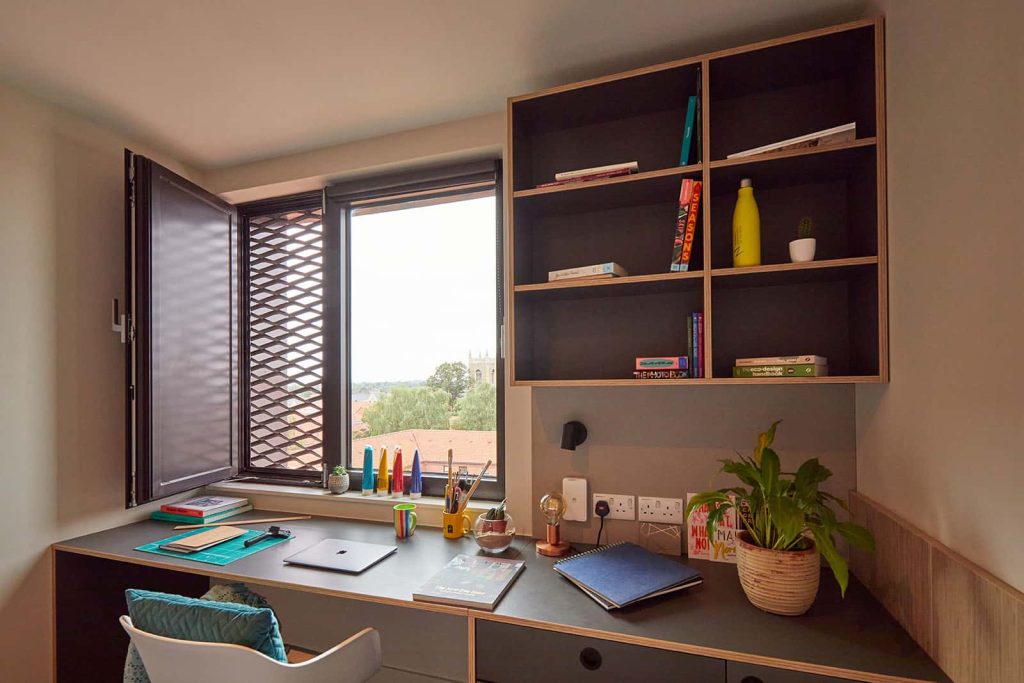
(337, 483)
(802, 250)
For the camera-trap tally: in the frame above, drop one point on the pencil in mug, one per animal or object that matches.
(472, 489)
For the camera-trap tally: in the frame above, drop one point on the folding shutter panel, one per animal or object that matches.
(182, 291)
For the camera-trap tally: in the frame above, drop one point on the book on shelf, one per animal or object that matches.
(204, 506)
(473, 581)
(693, 128)
(792, 370)
(598, 270)
(585, 178)
(625, 167)
(624, 573)
(162, 516)
(721, 548)
(691, 114)
(662, 363)
(686, 224)
(661, 374)
(698, 335)
(783, 360)
(830, 136)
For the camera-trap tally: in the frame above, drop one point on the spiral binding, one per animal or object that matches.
(599, 549)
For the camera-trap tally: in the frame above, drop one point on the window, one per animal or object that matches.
(376, 323)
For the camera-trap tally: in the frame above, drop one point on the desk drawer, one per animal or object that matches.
(515, 654)
(752, 673)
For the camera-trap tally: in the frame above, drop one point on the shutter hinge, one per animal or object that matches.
(131, 392)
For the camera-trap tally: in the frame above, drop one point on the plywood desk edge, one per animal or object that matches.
(473, 615)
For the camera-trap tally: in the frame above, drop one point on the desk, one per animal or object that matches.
(851, 639)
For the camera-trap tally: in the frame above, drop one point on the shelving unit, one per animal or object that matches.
(587, 333)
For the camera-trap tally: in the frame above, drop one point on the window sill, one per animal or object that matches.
(350, 505)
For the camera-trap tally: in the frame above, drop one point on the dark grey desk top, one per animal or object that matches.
(853, 638)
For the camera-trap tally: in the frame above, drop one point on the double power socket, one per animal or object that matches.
(644, 508)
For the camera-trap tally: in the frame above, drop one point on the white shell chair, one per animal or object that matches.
(169, 660)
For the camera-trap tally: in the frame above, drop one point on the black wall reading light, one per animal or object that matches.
(573, 434)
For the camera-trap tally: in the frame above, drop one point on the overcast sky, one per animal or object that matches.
(423, 289)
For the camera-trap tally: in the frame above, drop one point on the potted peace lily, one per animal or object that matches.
(788, 523)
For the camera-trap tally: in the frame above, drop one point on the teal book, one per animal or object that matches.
(691, 113)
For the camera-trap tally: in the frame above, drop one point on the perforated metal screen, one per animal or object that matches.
(286, 340)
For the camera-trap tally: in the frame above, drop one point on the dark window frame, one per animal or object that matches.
(409, 187)
(338, 201)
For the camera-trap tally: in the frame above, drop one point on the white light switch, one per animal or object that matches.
(574, 490)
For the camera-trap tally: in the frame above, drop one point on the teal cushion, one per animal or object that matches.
(175, 616)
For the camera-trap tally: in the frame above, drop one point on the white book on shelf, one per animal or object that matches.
(629, 166)
(598, 270)
(844, 133)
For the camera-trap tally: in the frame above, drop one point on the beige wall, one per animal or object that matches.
(667, 441)
(61, 369)
(943, 444)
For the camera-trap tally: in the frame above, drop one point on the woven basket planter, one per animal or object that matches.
(778, 581)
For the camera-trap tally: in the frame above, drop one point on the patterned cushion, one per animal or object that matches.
(202, 620)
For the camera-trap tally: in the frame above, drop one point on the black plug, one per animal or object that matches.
(601, 509)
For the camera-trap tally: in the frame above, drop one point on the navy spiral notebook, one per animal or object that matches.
(621, 574)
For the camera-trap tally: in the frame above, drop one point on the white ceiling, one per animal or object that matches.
(222, 82)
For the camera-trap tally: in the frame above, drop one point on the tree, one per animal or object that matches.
(452, 378)
(478, 409)
(408, 408)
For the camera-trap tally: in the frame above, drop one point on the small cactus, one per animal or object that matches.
(496, 512)
(805, 228)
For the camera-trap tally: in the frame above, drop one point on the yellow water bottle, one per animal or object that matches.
(746, 228)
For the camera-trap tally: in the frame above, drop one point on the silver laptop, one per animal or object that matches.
(341, 556)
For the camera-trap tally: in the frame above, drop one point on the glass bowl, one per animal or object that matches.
(494, 535)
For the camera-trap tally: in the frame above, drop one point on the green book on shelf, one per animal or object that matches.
(796, 370)
(185, 519)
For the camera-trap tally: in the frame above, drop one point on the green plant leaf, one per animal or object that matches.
(743, 471)
(708, 498)
(835, 561)
(788, 519)
(764, 440)
(769, 470)
(810, 474)
(857, 535)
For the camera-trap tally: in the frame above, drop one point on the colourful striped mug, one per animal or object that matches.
(405, 520)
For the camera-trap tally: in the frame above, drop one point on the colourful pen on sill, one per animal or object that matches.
(383, 481)
(397, 477)
(416, 480)
(367, 487)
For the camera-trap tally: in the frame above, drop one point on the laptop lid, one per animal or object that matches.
(341, 556)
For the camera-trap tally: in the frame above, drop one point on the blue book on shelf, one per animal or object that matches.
(691, 112)
(621, 574)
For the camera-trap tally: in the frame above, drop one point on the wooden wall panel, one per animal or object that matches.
(970, 622)
(898, 573)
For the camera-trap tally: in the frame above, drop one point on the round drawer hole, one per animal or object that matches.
(590, 659)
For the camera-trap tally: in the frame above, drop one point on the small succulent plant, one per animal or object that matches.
(805, 228)
(339, 470)
(496, 512)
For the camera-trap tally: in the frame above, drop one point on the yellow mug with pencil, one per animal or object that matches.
(455, 520)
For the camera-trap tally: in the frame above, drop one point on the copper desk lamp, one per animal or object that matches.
(552, 506)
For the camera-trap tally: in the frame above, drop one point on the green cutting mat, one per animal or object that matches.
(221, 554)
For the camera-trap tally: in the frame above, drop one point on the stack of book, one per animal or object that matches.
(594, 173)
(830, 136)
(781, 366)
(662, 367)
(202, 510)
(597, 271)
